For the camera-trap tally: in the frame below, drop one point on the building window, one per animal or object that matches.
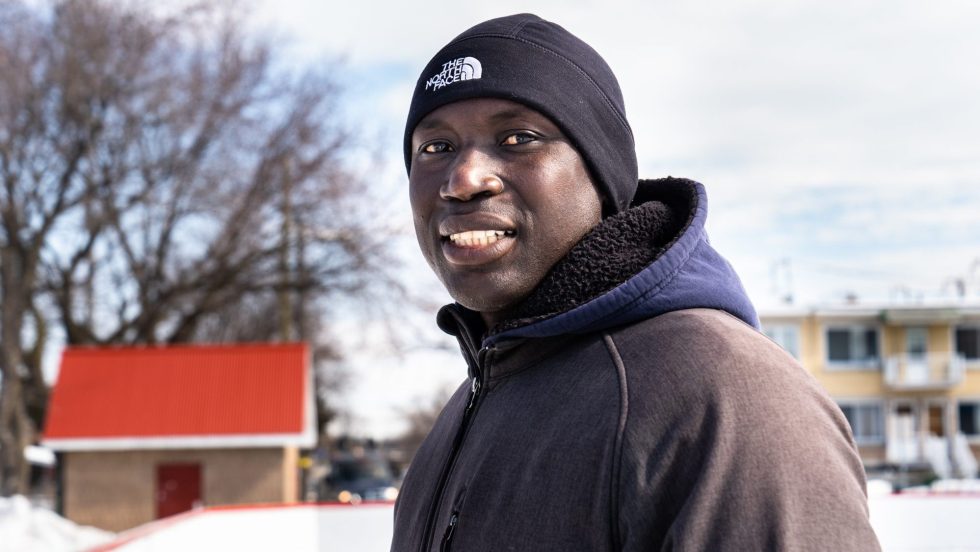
(856, 345)
(867, 421)
(786, 335)
(968, 342)
(969, 418)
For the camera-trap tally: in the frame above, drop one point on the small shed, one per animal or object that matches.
(147, 432)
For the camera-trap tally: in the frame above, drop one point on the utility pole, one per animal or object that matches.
(285, 303)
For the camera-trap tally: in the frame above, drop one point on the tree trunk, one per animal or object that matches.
(16, 430)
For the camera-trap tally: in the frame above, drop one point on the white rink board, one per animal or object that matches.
(904, 523)
(297, 529)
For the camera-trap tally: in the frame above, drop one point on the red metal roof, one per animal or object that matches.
(141, 392)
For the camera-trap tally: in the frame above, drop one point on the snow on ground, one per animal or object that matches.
(25, 528)
(907, 522)
(933, 522)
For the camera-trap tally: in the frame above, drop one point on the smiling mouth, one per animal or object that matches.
(478, 238)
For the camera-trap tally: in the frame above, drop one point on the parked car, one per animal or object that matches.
(357, 477)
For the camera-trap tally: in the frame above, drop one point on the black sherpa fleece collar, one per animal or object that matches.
(611, 253)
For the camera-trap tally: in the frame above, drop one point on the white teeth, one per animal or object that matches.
(476, 237)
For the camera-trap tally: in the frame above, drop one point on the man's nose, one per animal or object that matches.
(473, 174)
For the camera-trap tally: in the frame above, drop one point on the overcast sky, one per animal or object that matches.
(840, 140)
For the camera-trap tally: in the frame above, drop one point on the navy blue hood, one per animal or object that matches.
(651, 259)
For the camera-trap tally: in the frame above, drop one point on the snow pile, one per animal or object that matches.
(26, 528)
(947, 486)
(956, 486)
(879, 487)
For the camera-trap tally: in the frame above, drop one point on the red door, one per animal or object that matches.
(178, 488)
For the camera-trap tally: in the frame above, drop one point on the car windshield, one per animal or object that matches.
(361, 468)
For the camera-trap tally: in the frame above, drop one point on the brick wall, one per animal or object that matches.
(115, 490)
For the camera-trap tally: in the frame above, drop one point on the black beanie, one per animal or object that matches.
(526, 59)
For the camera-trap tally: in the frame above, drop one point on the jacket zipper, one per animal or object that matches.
(447, 539)
(430, 522)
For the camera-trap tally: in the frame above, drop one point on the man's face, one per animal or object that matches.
(499, 195)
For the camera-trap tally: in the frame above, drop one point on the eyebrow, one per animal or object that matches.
(436, 122)
(429, 123)
(514, 113)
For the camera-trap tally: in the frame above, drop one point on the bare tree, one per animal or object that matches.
(419, 419)
(40, 163)
(165, 180)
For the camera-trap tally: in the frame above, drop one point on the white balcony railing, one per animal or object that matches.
(931, 371)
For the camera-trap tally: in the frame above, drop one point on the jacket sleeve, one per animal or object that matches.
(728, 444)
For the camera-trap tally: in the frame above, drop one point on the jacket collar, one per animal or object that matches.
(506, 357)
(650, 259)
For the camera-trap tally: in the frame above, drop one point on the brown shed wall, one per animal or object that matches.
(115, 490)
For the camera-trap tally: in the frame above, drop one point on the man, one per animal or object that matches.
(620, 397)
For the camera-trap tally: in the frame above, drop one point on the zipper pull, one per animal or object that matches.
(474, 390)
(448, 537)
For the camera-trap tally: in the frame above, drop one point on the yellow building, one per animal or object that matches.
(907, 378)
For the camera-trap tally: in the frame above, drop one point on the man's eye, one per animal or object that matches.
(519, 138)
(435, 147)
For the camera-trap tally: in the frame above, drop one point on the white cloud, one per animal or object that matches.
(840, 135)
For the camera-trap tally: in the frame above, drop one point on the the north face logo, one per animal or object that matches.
(460, 69)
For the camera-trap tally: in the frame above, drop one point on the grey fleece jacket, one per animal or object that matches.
(678, 430)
